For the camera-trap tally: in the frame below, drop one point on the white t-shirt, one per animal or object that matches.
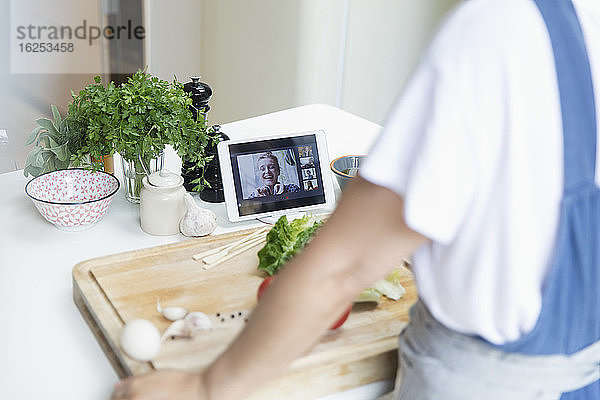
(474, 145)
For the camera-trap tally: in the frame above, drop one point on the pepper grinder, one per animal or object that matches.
(212, 170)
(200, 93)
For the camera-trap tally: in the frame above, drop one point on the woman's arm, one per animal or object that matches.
(360, 243)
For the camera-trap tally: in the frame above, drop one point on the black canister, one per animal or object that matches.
(200, 93)
(212, 171)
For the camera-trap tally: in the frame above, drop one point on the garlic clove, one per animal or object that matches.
(198, 321)
(197, 221)
(187, 327)
(177, 329)
(171, 313)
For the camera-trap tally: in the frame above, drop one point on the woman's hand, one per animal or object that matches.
(278, 188)
(261, 192)
(161, 385)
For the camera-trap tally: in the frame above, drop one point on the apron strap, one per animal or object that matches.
(576, 91)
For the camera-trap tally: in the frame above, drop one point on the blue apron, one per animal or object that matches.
(570, 315)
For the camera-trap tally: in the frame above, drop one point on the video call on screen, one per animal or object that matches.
(277, 174)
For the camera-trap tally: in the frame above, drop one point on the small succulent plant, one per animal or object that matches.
(50, 151)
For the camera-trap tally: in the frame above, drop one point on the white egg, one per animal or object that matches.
(140, 340)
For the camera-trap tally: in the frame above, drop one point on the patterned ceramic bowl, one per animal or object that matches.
(345, 168)
(72, 199)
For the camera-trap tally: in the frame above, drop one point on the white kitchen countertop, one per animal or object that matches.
(48, 351)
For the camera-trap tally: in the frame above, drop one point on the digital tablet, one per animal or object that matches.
(276, 175)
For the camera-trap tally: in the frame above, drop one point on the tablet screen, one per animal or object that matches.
(276, 174)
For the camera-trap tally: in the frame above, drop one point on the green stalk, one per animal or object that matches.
(139, 175)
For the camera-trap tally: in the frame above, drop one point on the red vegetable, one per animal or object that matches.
(267, 281)
(263, 286)
(342, 319)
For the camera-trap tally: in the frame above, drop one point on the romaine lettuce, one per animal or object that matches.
(284, 240)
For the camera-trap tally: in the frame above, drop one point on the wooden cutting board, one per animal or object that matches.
(112, 290)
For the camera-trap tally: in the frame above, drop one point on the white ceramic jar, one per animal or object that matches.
(162, 205)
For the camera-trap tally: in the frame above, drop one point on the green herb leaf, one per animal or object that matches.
(55, 114)
(62, 152)
(32, 170)
(33, 135)
(46, 123)
(32, 156)
(51, 142)
(42, 138)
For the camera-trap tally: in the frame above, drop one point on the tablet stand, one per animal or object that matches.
(273, 219)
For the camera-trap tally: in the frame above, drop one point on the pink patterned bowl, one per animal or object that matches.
(72, 199)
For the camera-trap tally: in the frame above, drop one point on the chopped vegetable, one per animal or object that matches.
(263, 286)
(367, 295)
(284, 240)
(389, 287)
(341, 319)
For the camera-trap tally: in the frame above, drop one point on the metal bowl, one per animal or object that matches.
(345, 168)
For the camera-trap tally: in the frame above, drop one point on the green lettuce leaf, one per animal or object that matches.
(368, 295)
(284, 240)
(389, 287)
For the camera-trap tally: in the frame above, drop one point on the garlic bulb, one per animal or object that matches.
(187, 327)
(197, 221)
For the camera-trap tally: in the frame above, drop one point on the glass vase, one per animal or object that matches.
(134, 172)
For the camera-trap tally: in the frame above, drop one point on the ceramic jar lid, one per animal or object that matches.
(165, 179)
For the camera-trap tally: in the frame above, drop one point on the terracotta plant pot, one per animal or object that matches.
(108, 162)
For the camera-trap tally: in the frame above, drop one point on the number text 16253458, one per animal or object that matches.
(37, 47)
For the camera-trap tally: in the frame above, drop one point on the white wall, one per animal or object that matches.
(174, 29)
(320, 53)
(249, 56)
(385, 39)
(261, 56)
